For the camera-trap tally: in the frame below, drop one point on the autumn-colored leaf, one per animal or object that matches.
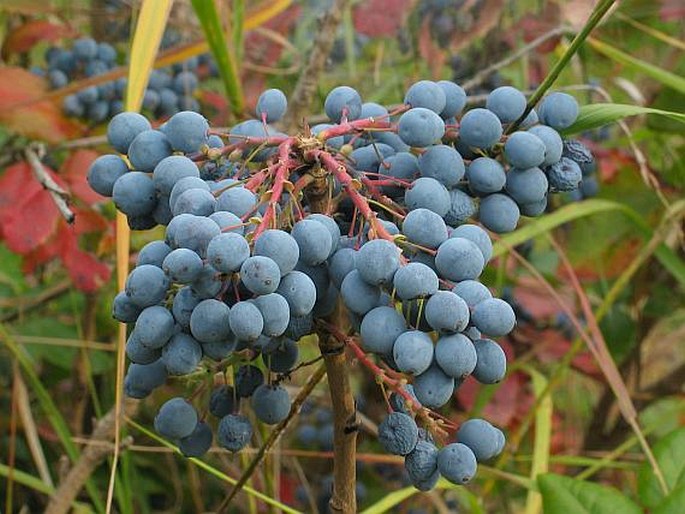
(24, 37)
(85, 270)
(74, 172)
(32, 221)
(41, 120)
(380, 18)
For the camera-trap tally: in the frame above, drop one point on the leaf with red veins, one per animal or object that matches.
(85, 270)
(24, 37)
(379, 18)
(74, 172)
(41, 120)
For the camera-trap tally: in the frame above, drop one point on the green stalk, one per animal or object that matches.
(51, 411)
(222, 50)
(552, 76)
(237, 25)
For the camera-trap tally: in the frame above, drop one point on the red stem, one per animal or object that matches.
(339, 171)
(283, 167)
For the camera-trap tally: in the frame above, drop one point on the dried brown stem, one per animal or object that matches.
(59, 195)
(91, 457)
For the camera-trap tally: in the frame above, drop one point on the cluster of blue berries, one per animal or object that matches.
(169, 91)
(247, 266)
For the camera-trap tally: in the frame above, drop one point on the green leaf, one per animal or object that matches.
(564, 495)
(665, 77)
(673, 503)
(219, 44)
(596, 115)
(576, 210)
(670, 454)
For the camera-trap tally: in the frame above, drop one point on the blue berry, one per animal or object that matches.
(524, 150)
(447, 312)
(426, 94)
(377, 261)
(147, 149)
(443, 163)
(481, 437)
(343, 101)
(380, 328)
(455, 99)
(415, 280)
(420, 127)
(425, 228)
(187, 131)
(459, 259)
(433, 387)
(104, 172)
(499, 213)
(270, 404)
(527, 185)
(181, 354)
(209, 321)
(398, 433)
(564, 175)
(456, 355)
(554, 146)
(227, 252)
(175, 419)
(480, 128)
(198, 442)
(413, 352)
(494, 317)
(476, 235)
(182, 265)
(472, 292)
(457, 463)
(491, 362)
(260, 275)
(558, 110)
(172, 169)
(271, 104)
(234, 432)
(507, 103)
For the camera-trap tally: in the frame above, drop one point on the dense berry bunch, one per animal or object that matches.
(169, 91)
(266, 233)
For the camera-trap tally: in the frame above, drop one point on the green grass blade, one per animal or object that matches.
(543, 436)
(237, 28)
(659, 74)
(595, 17)
(213, 471)
(51, 411)
(219, 44)
(669, 260)
(597, 115)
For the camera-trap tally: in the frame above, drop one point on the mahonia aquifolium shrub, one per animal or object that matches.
(266, 232)
(169, 90)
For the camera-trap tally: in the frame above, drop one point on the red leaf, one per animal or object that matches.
(41, 120)
(430, 50)
(89, 220)
(87, 273)
(74, 172)
(24, 37)
(11, 184)
(380, 17)
(32, 220)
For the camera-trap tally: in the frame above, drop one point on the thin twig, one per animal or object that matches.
(595, 17)
(309, 77)
(483, 75)
(304, 393)
(59, 195)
